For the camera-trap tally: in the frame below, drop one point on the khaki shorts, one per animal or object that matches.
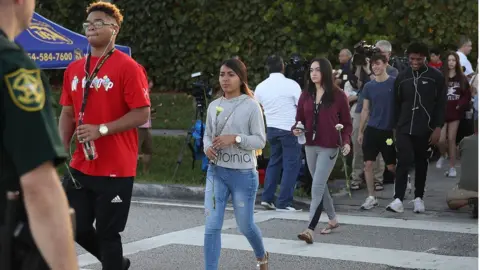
(461, 194)
(145, 145)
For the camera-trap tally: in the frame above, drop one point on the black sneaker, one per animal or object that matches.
(126, 263)
(473, 202)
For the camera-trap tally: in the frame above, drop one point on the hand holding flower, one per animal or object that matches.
(346, 149)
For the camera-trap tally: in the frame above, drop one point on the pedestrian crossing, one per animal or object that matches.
(377, 252)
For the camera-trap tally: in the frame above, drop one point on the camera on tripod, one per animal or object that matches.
(362, 51)
(201, 89)
(295, 69)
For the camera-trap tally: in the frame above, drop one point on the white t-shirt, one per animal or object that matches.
(464, 62)
(279, 96)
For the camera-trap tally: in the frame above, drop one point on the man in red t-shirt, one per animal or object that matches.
(105, 159)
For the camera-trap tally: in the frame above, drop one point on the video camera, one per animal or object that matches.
(201, 89)
(399, 62)
(362, 51)
(295, 69)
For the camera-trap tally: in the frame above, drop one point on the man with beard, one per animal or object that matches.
(104, 99)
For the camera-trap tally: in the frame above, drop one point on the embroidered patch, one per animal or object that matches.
(26, 89)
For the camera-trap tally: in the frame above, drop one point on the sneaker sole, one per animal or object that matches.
(268, 207)
(391, 210)
(285, 210)
(364, 208)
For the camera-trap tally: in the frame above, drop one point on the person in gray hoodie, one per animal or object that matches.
(235, 132)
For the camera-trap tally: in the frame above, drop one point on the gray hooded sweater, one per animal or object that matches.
(240, 116)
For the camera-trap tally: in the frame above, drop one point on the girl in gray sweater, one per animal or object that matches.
(235, 131)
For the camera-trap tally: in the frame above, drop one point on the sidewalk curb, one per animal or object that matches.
(197, 193)
(177, 192)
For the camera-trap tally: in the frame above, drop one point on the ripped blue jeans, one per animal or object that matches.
(242, 185)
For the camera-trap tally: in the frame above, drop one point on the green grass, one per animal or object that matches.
(174, 111)
(166, 150)
(164, 161)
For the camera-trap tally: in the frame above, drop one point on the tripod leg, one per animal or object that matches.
(180, 154)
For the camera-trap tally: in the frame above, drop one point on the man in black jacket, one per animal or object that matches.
(420, 100)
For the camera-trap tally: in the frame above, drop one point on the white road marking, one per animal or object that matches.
(162, 240)
(185, 205)
(455, 227)
(397, 258)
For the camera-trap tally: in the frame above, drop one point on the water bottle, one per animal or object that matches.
(301, 138)
(89, 150)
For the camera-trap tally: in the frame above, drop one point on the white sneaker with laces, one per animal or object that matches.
(395, 206)
(288, 209)
(369, 203)
(418, 205)
(452, 172)
(440, 162)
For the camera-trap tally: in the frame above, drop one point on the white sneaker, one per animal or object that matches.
(395, 206)
(452, 172)
(418, 205)
(288, 209)
(440, 162)
(369, 203)
(268, 206)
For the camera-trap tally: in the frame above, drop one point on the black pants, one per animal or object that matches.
(411, 150)
(316, 217)
(106, 200)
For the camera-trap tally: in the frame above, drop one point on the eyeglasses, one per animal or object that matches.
(96, 24)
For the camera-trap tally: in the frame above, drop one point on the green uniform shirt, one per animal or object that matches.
(28, 132)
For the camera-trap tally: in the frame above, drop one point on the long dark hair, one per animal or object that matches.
(241, 70)
(458, 70)
(326, 81)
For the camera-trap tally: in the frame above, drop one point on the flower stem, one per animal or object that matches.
(347, 177)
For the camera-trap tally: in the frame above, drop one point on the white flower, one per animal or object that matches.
(339, 126)
(219, 110)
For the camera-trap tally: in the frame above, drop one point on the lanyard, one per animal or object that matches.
(89, 80)
(316, 108)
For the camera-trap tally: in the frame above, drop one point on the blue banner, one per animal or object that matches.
(52, 46)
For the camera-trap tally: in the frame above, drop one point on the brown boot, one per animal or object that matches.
(263, 263)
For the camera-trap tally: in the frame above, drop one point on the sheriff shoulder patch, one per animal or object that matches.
(26, 89)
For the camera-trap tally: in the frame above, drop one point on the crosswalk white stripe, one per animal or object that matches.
(396, 258)
(194, 236)
(158, 241)
(454, 227)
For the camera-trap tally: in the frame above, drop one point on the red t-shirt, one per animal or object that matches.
(119, 87)
(437, 65)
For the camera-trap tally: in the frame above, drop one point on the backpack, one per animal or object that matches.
(197, 131)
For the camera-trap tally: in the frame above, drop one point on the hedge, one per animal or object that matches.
(174, 38)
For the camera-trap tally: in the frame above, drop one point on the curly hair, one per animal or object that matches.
(108, 8)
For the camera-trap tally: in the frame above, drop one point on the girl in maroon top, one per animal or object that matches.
(321, 107)
(458, 99)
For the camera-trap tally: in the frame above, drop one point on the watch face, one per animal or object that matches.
(238, 139)
(103, 129)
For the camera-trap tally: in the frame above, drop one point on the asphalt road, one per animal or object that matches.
(169, 235)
